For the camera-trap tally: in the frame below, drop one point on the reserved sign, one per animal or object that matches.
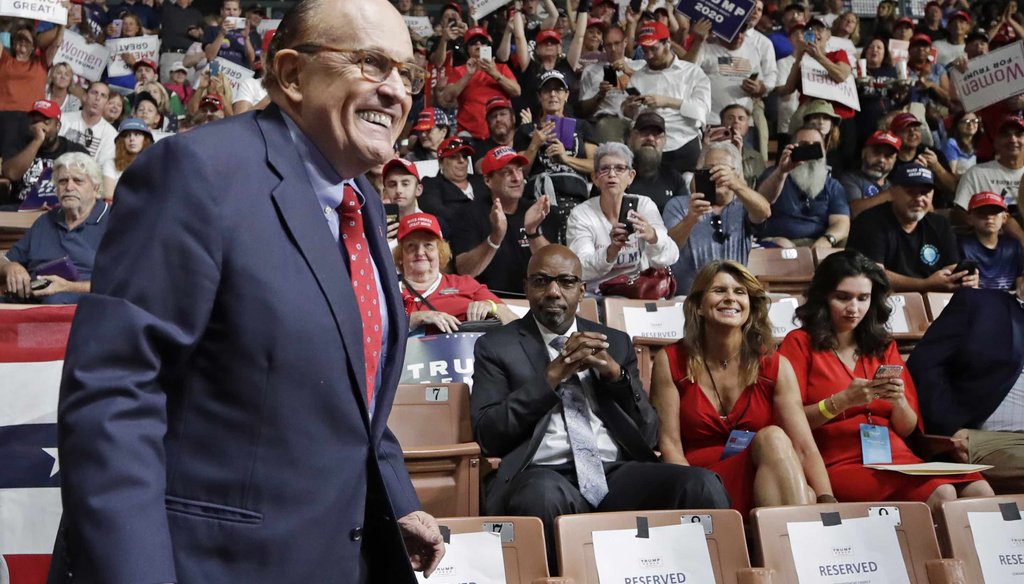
(673, 554)
(1000, 546)
(861, 550)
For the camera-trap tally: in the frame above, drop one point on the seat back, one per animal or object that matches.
(781, 313)
(587, 308)
(935, 302)
(820, 253)
(909, 319)
(13, 225)
(955, 535)
(575, 539)
(661, 319)
(772, 549)
(431, 414)
(522, 543)
(782, 269)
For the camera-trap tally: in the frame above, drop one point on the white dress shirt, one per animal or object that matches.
(590, 83)
(687, 83)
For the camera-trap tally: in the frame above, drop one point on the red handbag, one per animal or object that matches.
(650, 284)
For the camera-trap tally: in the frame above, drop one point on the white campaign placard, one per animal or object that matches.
(141, 47)
(470, 557)
(234, 73)
(898, 319)
(991, 78)
(420, 25)
(481, 8)
(861, 550)
(664, 323)
(780, 314)
(1000, 546)
(267, 24)
(673, 554)
(46, 10)
(86, 59)
(815, 82)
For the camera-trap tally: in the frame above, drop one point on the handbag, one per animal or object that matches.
(649, 284)
(468, 326)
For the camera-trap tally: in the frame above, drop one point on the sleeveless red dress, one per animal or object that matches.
(704, 432)
(821, 374)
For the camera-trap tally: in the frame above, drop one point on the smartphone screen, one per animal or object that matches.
(703, 184)
(805, 152)
(633, 91)
(214, 68)
(391, 212)
(629, 203)
(970, 265)
(610, 75)
(809, 36)
(888, 371)
(485, 53)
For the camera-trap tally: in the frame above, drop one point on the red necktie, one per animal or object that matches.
(364, 284)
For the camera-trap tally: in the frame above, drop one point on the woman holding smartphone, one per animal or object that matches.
(859, 399)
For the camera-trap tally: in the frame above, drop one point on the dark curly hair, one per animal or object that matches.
(871, 335)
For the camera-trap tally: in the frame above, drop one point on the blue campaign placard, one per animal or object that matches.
(726, 16)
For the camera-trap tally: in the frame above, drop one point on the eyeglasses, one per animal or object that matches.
(719, 236)
(543, 281)
(617, 169)
(970, 122)
(375, 66)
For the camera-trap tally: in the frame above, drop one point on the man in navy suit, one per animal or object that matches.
(559, 454)
(969, 373)
(226, 390)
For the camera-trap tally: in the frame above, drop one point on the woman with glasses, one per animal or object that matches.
(717, 225)
(960, 148)
(852, 380)
(728, 403)
(606, 247)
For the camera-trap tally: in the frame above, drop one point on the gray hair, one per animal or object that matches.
(617, 149)
(730, 149)
(83, 162)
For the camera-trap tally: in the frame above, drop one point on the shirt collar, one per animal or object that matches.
(549, 336)
(326, 182)
(98, 213)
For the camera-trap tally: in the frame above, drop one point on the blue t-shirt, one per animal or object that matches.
(50, 239)
(999, 267)
(780, 41)
(703, 246)
(796, 216)
(232, 47)
(954, 153)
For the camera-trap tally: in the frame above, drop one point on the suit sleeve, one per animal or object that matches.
(629, 394)
(933, 356)
(157, 273)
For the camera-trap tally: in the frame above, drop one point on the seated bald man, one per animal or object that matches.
(559, 399)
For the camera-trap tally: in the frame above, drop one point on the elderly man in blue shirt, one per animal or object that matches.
(65, 239)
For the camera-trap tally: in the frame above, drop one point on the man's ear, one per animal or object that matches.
(288, 69)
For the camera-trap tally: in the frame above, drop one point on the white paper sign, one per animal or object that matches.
(816, 83)
(427, 168)
(898, 319)
(781, 313)
(141, 47)
(267, 24)
(420, 26)
(46, 10)
(1000, 546)
(899, 51)
(991, 78)
(862, 550)
(86, 59)
(234, 73)
(470, 557)
(672, 554)
(481, 8)
(665, 323)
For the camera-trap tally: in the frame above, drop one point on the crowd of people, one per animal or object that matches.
(554, 148)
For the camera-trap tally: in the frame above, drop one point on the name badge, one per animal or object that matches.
(738, 441)
(874, 444)
(447, 291)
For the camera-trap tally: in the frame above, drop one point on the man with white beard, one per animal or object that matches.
(917, 247)
(868, 187)
(809, 207)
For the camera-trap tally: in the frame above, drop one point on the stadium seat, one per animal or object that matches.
(915, 533)
(587, 307)
(955, 536)
(13, 225)
(909, 319)
(781, 314)
(522, 545)
(432, 423)
(935, 302)
(820, 253)
(651, 324)
(726, 542)
(787, 270)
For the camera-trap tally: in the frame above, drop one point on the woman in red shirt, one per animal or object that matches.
(23, 71)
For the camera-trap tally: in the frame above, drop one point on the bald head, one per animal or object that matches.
(555, 254)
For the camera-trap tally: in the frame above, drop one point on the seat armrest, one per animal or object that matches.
(450, 450)
(945, 571)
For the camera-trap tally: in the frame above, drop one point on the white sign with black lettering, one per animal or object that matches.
(666, 322)
(234, 73)
(815, 82)
(782, 313)
(673, 554)
(140, 47)
(861, 550)
(991, 78)
(420, 26)
(481, 8)
(469, 557)
(86, 59)
(1000, 546)
(47, 10)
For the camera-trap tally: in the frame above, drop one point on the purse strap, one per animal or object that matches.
(422, 298)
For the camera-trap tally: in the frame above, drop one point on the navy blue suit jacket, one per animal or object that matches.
(968, 360)
(213, 424)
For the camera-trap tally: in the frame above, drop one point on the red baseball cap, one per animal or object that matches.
(476, 31)
(453, 145)
(418, 222)
(500, 157)
(496, 102)
(430, 118)
(652, 32)
(407, 166)
(921, 38)
(548, 34)
(598, 22)
(986, 199)
(903, 120)
(903, 21)
(1010, 119)
(147, 62)
(796, 26)
(885, 139)
(959, 14)
(47, 108)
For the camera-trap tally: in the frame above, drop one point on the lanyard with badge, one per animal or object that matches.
(738, 440)
(874, 440)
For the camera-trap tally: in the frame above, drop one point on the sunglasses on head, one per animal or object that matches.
(719, 235)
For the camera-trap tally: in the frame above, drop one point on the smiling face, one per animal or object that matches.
(874, 53)
(726, 302)
(507, 183)
(420, 255)
(1010, 141)
(76, 192)
(849, 303)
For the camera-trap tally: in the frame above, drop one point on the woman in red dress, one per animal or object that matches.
(728, 404)
(842, 342)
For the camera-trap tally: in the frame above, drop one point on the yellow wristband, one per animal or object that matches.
(494, 308)
(824, 410)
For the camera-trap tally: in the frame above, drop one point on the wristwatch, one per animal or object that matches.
(534, 235)
(831, 239)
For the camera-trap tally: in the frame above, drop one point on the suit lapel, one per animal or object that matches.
(304, 221)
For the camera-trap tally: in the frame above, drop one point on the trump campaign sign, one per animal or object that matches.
(727, 16)
(86, 59)
(47, 10)
(991, 78)
(32, 343)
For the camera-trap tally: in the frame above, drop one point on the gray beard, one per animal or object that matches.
(810, 176)
(647, 161)
(873, 174)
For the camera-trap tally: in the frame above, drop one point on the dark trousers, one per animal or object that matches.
(549, 491)
(684, 158)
